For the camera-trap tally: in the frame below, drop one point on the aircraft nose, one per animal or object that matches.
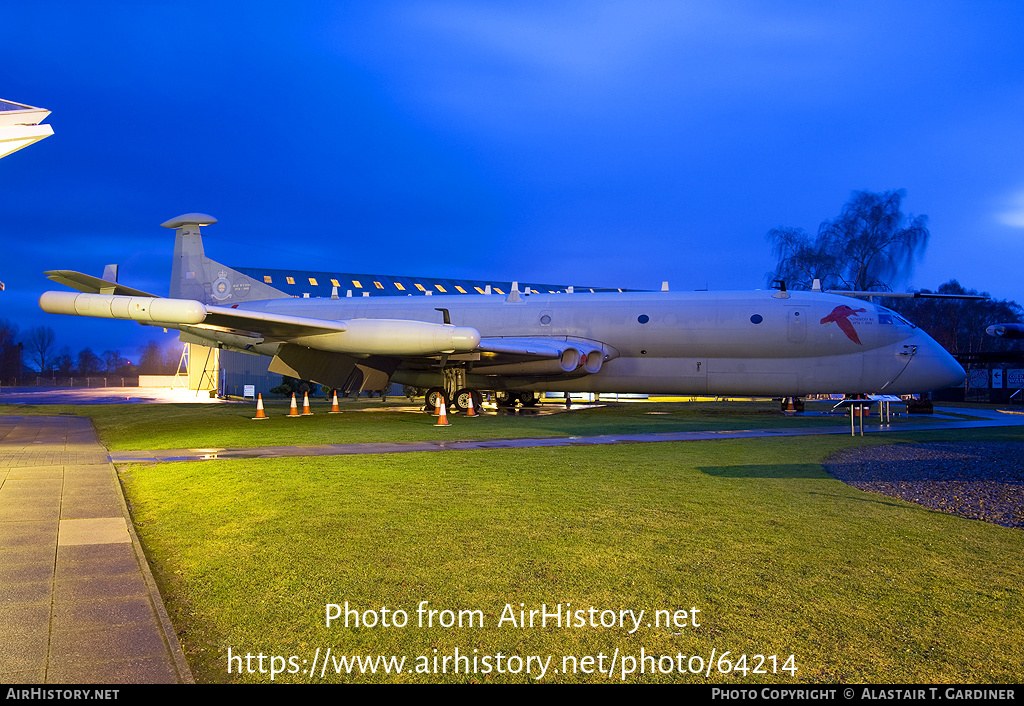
(933, 368)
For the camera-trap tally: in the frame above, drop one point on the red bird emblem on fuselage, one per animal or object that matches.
(841, 316)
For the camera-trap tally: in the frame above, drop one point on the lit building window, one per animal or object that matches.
(356, 284)
(335, 283)
(498, 290)
(312, 281)
(378, 285)
(441, 289)
(420, 287)
(461, 290)
(289, 280)
(266, 278)
(479, 289)
(399, 286)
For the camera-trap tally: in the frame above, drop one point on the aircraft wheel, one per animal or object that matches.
(529, 399)
(433, 398)
(463, 396)
(505, 398)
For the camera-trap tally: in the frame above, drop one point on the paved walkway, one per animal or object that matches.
(77, 601)
(943, 421)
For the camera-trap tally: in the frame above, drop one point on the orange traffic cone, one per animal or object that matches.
(294, 411)
(305, 405)
(471, 410)
(260, 414)
(442, 418)
(335, 409)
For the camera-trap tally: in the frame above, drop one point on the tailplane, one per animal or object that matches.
(195, 276)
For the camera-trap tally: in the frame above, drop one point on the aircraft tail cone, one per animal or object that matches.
(294, 411)
(305, 405)
(335, 409)
(260, 414)
(442, 418)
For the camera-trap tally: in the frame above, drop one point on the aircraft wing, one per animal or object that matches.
(278, 326)
(907, 295)
(93, 285)
(312, 343)
(385, 337)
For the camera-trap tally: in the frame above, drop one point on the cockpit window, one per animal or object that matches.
(888, 316)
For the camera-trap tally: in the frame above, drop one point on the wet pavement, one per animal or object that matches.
(945, 419)
(101, 395)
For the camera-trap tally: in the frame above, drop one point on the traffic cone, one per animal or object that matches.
(471, 410)
(260, 414)
(305, 405)
(442, 418)
(294, 411)
(335, 409)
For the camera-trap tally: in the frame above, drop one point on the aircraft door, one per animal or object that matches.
(796, 324)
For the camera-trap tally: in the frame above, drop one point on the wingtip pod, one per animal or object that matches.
(1006, 330)
(109, 306)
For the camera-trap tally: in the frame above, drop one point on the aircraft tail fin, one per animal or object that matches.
(195, 276)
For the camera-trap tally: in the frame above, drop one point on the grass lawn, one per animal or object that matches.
(779, 558)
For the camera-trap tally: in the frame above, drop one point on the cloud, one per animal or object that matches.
(1014, 215)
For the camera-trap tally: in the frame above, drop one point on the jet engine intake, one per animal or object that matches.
(566, 362)
(591, 360)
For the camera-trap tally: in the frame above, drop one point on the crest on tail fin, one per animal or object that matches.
(195, 276)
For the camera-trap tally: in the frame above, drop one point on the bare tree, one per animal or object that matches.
(89, 363)
(40, 347)
(869, 246)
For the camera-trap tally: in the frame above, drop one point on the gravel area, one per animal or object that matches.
(981, 481)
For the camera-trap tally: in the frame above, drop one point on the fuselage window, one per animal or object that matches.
(756, 319)
(643, 318)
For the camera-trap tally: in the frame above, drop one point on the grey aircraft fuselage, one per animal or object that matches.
(694, 343)
(762, 342)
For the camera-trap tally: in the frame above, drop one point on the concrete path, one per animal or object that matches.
(77, 601)
(942, 421)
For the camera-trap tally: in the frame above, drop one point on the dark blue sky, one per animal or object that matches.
(608, 143)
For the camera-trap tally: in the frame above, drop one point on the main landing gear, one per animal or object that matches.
(510, 399)
(460, 400)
